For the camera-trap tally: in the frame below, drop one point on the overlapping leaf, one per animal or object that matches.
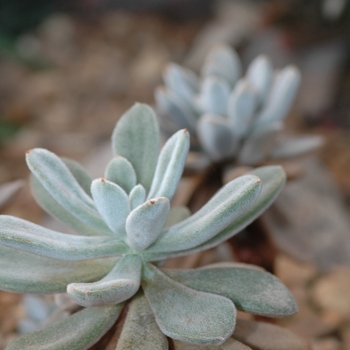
(77, 332)
(251, 289)
(24, 235)
(22, 272)
(120, 284)
(185, 314)
(136, 138)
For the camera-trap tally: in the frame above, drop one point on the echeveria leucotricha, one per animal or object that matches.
(231, 117)
(123, 223)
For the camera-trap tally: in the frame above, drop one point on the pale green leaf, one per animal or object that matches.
(121, 283)
(112, 203)
(241, 107)
(217, 137)
(22, 272)
(137, 196)
(224, 62)
(229, 344)
(120, 171)
(281, 96)
(170, 165)
(145, 223)
(140, 330)
(185, 314)
(251, 290)
(79, 173)
(77, 332)
(273, 179)
(55, 176)
(175, 108)
(176, 215)
(296, 146)
(182, 81)
(51, 206)
(267, 336)
(259, 74)
(228, 204)
(213, 96)
(136, 138)
(24, 235)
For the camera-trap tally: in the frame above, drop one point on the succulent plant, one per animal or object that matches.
(126, 230)
(229, 116)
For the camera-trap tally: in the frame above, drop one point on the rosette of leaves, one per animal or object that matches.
(233, 117)
(125, 227)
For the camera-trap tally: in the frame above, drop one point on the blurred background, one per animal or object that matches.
(69, 69)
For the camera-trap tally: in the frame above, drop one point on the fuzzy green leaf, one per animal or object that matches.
(259, 74)
(229, 344)
(213, 96)
(176, 215)
(252, 290)
(273, 179)
(24, 235)
(77, 332)
(217, 137)
(51, 206)
(224, 62)
(140, 330)
(55, 176)
(182, 81)
(172, 106)
(241, 107)
(137, 196)
(112, 203)
(136, 138)
(80, 174)
(267, 336)
(145, 223)
(185, 314)
(120, 171)
(170, 165)
(121, 283)
(296, 146)
(227, 205)
(281, 96)
(22, 272)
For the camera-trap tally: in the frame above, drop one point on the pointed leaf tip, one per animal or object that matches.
(145, 223)
(136, 138)
(112, 203)
(170, 165)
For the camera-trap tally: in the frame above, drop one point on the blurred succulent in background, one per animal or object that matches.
(126, 226)
(233, 117)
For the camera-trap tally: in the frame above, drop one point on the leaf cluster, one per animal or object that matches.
(125, 226)
(231, 116)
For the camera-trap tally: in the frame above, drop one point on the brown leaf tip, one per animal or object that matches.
(29, 150)
(152, 201)
(185, 131)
